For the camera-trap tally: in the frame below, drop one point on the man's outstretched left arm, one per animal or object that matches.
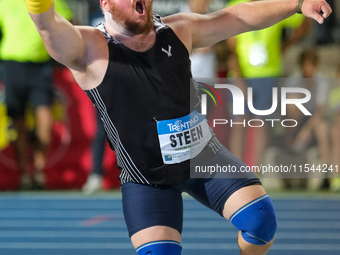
(209, 29)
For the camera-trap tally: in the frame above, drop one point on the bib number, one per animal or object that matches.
(184, 138)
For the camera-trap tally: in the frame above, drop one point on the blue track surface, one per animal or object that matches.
(65, 224)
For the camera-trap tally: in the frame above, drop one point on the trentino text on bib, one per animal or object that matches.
(183, 138)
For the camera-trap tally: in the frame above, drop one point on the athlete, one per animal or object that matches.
(135, 68)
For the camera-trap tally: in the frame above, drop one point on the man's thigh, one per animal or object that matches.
(213, 190)
(152, 214)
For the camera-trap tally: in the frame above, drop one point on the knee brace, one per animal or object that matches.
(256, 221)
(160, 248)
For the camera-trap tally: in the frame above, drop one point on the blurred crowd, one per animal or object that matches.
(296, 52)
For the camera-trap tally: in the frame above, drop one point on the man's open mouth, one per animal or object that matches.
(140, 7)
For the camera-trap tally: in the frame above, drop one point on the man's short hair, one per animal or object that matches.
(309, 55)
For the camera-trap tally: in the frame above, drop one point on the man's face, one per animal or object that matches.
(134, 15)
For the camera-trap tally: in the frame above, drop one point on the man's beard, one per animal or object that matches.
(130, 25)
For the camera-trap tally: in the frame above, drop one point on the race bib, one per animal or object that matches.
(184, 138)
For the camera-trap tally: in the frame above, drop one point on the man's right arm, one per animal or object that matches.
(63, 41)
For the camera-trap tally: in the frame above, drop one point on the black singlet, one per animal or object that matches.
(139, 89)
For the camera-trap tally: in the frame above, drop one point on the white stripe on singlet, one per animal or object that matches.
(129, 171)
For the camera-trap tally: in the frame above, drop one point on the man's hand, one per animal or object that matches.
(316, 9)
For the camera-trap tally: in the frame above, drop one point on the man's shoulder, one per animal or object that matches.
(179, 22)
(181, 25)
(94, 41)
(88, 30)
(90, 69)
(177, 18)
(169, 19)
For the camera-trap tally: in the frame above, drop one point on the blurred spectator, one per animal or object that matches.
(313, 128)
(203, 60)
(334, 104)
(27, 76)
(257, 57)
(95, 178)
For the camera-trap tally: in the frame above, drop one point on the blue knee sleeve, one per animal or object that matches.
(160, 248)
(256, 221)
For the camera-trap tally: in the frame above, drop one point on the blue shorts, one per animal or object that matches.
(146, 206)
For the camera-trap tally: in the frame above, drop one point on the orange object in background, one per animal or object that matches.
(69, 156)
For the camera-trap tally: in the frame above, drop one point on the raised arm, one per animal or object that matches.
(63, 41)
(209, 29)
